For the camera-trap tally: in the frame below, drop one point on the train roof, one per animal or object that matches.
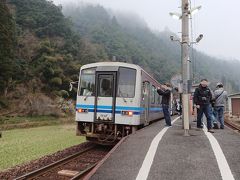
(111, 63)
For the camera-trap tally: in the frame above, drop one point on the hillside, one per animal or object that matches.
(41, 54)
(127, 37)
(44, 45)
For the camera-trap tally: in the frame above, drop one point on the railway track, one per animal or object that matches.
(75, 166)
(232, 125)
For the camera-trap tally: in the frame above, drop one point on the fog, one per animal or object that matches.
(217, 21)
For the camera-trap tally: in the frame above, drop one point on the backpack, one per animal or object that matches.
(214, 100)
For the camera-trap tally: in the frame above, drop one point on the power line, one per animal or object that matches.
(193, 35)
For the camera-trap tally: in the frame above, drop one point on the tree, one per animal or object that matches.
(7, 40)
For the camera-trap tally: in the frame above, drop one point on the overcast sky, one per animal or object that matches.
(218, 21)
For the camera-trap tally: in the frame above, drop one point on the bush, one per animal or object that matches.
(51, 59)
(56, 81)
(64, 93)
(74, 77)
(61, 93)
(48, 72)
(3, 103)
(58, 71)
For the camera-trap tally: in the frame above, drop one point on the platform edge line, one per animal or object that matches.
(223, 166)
(148, 160)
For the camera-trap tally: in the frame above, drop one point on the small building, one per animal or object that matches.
(234, 104)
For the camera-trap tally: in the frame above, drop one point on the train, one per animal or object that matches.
(115, 99)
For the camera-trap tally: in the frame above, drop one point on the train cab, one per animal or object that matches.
(113, 100)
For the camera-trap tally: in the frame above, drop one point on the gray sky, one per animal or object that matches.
(218, 21)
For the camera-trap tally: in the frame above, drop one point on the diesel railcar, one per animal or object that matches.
(114, 99)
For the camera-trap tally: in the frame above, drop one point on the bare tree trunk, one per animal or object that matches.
(5, 91)
(9, 82)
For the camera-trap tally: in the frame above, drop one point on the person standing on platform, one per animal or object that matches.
(220, 100)
(165, 92)
(202, 99)
(178, 102)
(212, 110)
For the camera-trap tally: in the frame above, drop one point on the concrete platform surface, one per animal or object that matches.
(174, 156)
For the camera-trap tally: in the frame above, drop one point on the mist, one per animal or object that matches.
(217, 21)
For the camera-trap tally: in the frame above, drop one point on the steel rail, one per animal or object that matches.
(232, 125)
(84, 172)
(52, 165)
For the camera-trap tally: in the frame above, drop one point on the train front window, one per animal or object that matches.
(126, 82)
(87, 85)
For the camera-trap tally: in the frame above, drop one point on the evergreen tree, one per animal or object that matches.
(7, 40)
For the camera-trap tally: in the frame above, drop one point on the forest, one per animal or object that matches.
(43, 47)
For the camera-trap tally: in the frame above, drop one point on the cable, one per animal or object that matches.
(193, 65)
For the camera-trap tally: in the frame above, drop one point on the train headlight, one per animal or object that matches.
(127, 113)
(82, 110)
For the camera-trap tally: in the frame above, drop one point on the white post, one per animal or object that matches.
(185, 67)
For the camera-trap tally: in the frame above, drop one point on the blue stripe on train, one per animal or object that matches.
(108, 109)
(155, 109)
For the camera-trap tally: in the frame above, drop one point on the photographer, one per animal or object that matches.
(165, 92)
(202, 99)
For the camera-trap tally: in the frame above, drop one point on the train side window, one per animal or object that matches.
(153, 94)
(87, 82)
(156, 97)
(126, 82)
(143, 90)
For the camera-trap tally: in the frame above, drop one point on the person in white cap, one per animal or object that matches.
(221, 97)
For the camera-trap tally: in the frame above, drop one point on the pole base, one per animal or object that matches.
(186, 132)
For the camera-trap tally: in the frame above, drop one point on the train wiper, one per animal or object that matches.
(121, 95)
(87, 95)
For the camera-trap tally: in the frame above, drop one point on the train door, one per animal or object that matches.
(105, 96)
(146, 96)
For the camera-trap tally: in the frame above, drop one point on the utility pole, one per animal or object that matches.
(186, 63)
(186, 78)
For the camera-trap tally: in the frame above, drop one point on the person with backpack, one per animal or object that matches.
(221, 97)
(202, 99)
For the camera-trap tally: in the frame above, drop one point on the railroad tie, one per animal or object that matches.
(68, 173)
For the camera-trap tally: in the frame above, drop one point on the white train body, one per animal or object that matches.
(115, 99)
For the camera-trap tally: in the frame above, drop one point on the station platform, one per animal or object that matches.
(163, 153)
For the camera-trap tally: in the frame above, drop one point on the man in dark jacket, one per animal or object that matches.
(202, 99)
(165, 92)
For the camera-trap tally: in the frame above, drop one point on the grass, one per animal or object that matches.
(7, 123)
(23, 145)
(19, 119)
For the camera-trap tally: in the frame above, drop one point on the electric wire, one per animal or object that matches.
(193, 64)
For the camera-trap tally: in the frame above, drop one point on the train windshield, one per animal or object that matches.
(126, 83)
(87, 85)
